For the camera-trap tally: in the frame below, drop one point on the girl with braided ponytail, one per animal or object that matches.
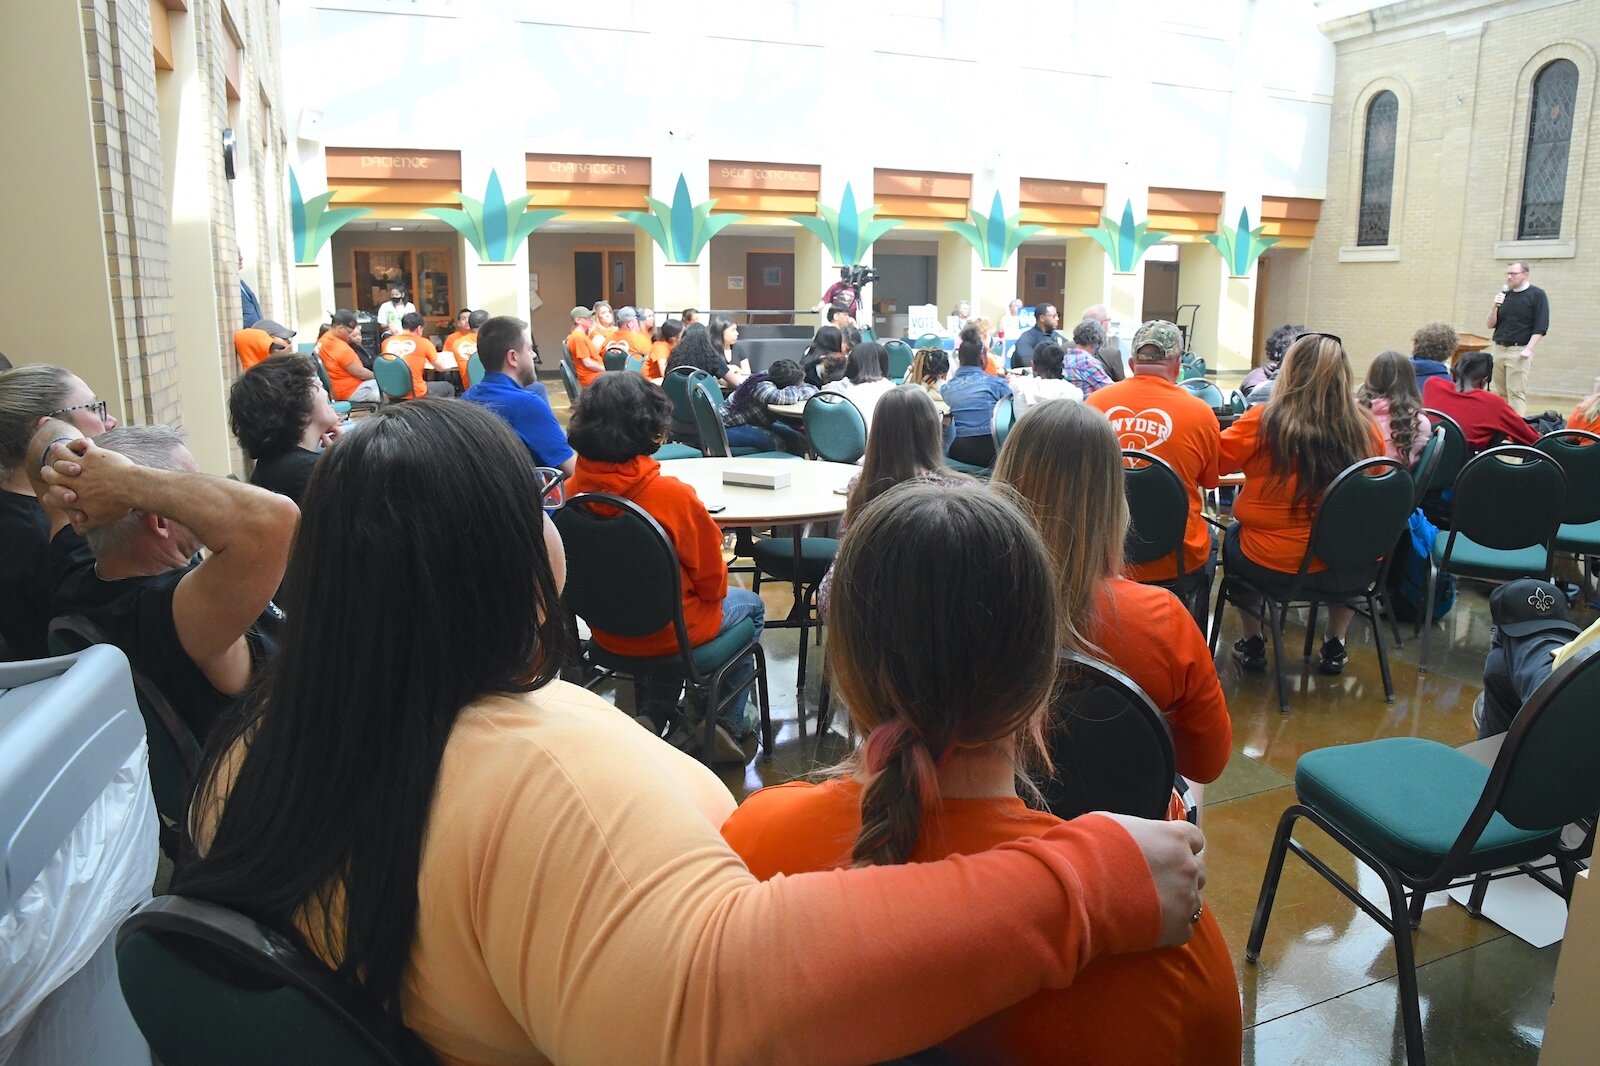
(950, 683)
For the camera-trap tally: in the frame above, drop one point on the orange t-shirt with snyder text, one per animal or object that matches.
(1153, 415)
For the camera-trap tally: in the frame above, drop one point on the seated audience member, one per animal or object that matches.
(694, 349)
(1045, 383)
(511, 389)
(930, 369)
(1150, 413)
(689, 317)
(255, 344)
(1109, 352)
(427, 795)
(849, 337)
(1278, 342)
(950, 725)
(282, 419)
(971, 395)
(30, 396)
(962, 313)
(1290, 450)
(1011, 321)
(459, 328)
(1046, 327)
(420, 355)
(723, 334)
(198, 631)
(1079, 363)
(618, 422)
(905, 445)
(605, 322)
(866, 379)
(748, 407)
(1390, 393)
(666, 339)
(1432, 348)
(631, 332)
(1587, 414)
(460, 348)
(1533, 634)
(982, 332)
(824, 360)
(347, 374)
(1064, 464)
(1485, 418)
(584, 346)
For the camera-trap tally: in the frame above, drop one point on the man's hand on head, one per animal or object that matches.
(91, 484)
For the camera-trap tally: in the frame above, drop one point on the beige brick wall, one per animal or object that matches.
(1463, 83)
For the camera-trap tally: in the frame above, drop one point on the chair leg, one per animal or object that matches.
(1406, 969)
(1275, 615)
(1419, 900)
(1269, 885)
(1383, 656)
(764, 705)
(1425, 618)
(824, 702)
(1311, 629)
(1480, 888)
(1394, 622)
(1216, 615)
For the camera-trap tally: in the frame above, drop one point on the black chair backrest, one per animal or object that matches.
(569, 381)
(1427, 463)
(207, 985)
(707, 422)
(174, 749)
(1509, 497)
(1456, 452)
(1577, 452)
(622, 571)
(1361, 515)
(1158, 508)
(1549, 776)
(1111, 747)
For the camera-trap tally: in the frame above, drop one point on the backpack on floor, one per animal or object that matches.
(1408, 574)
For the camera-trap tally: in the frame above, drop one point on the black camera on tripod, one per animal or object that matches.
(857, 276)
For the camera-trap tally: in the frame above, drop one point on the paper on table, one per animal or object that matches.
(1523, 907)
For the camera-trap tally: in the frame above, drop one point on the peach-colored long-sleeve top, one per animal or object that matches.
(578, 905)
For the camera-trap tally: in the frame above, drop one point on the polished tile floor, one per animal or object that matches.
(1325, 989)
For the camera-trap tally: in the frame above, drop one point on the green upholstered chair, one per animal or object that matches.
(802, 562)
(838, 432)
(713, 434)
(394, 377)
(673, 450)
(928, 340)
(569, 381)
(1425, 817)
(616, 357)
(1505, 514)
(475, 369)
(208, 985)
(174, 748)
(1358, 521)
(1001, 419)
(1435, 495)
(1207, 390)
(1428, 460)
(900, 356)
(1577, 452)
(1109, 743)
(624, 578)
(341, 407)
(676, 385)
(635, 364)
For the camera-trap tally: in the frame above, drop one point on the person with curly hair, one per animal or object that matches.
(1432, 348)
(281, 417)
(1278, 342)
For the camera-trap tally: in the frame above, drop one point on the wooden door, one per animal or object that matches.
(1044, 281)
(620, 278)
(769, 283)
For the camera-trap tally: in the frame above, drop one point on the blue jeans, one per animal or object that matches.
(752, 437)
(738, 605)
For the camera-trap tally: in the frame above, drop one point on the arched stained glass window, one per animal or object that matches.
(1377, 169)
(1544, 171)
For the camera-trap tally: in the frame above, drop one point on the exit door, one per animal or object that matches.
(1044, 281)
(769, 283)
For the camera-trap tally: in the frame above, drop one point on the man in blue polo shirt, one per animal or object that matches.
(511, 390)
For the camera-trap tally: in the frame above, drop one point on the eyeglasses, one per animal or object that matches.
(98, 407)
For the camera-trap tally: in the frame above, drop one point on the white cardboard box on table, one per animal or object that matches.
(755, 478)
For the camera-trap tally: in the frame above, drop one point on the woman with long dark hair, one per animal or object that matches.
(520, 873)
(824, 360)
(1390, 393)
(1290, 450)
(723, 334)
(951, 721)
(905, 445)
(694, 349)
(662, 342)
(866, 379)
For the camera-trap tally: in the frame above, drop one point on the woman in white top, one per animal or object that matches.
(1045, 383)
(866, 379)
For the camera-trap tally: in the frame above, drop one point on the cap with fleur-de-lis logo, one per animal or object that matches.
(1527, 606)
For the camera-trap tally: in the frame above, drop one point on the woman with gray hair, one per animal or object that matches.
(29, 396)
(1090, 336)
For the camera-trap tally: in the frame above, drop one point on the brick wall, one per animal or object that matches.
(1463, 122)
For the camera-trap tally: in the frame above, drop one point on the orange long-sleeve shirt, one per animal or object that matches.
(1159, 1007)
(1273, 531)
(1147, 633)
(694, 535)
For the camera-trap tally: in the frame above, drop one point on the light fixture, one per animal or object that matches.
(396, 229)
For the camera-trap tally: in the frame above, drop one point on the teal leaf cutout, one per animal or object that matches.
(494, 226)
(1125, 241)
(1242, 247)
(848, 231)
(995, 236)
(682, 230)
(312, 223)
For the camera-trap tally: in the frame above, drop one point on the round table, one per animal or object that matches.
(809, 496)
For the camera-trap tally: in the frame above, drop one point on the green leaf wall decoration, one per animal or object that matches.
(1125, 242)
(847, 232)
(995, 236)
(494, 226)
(1241, 248)
(683, 229)
(311, 221)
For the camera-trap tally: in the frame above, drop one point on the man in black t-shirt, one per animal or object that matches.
(197, 631)
(1520, 318)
